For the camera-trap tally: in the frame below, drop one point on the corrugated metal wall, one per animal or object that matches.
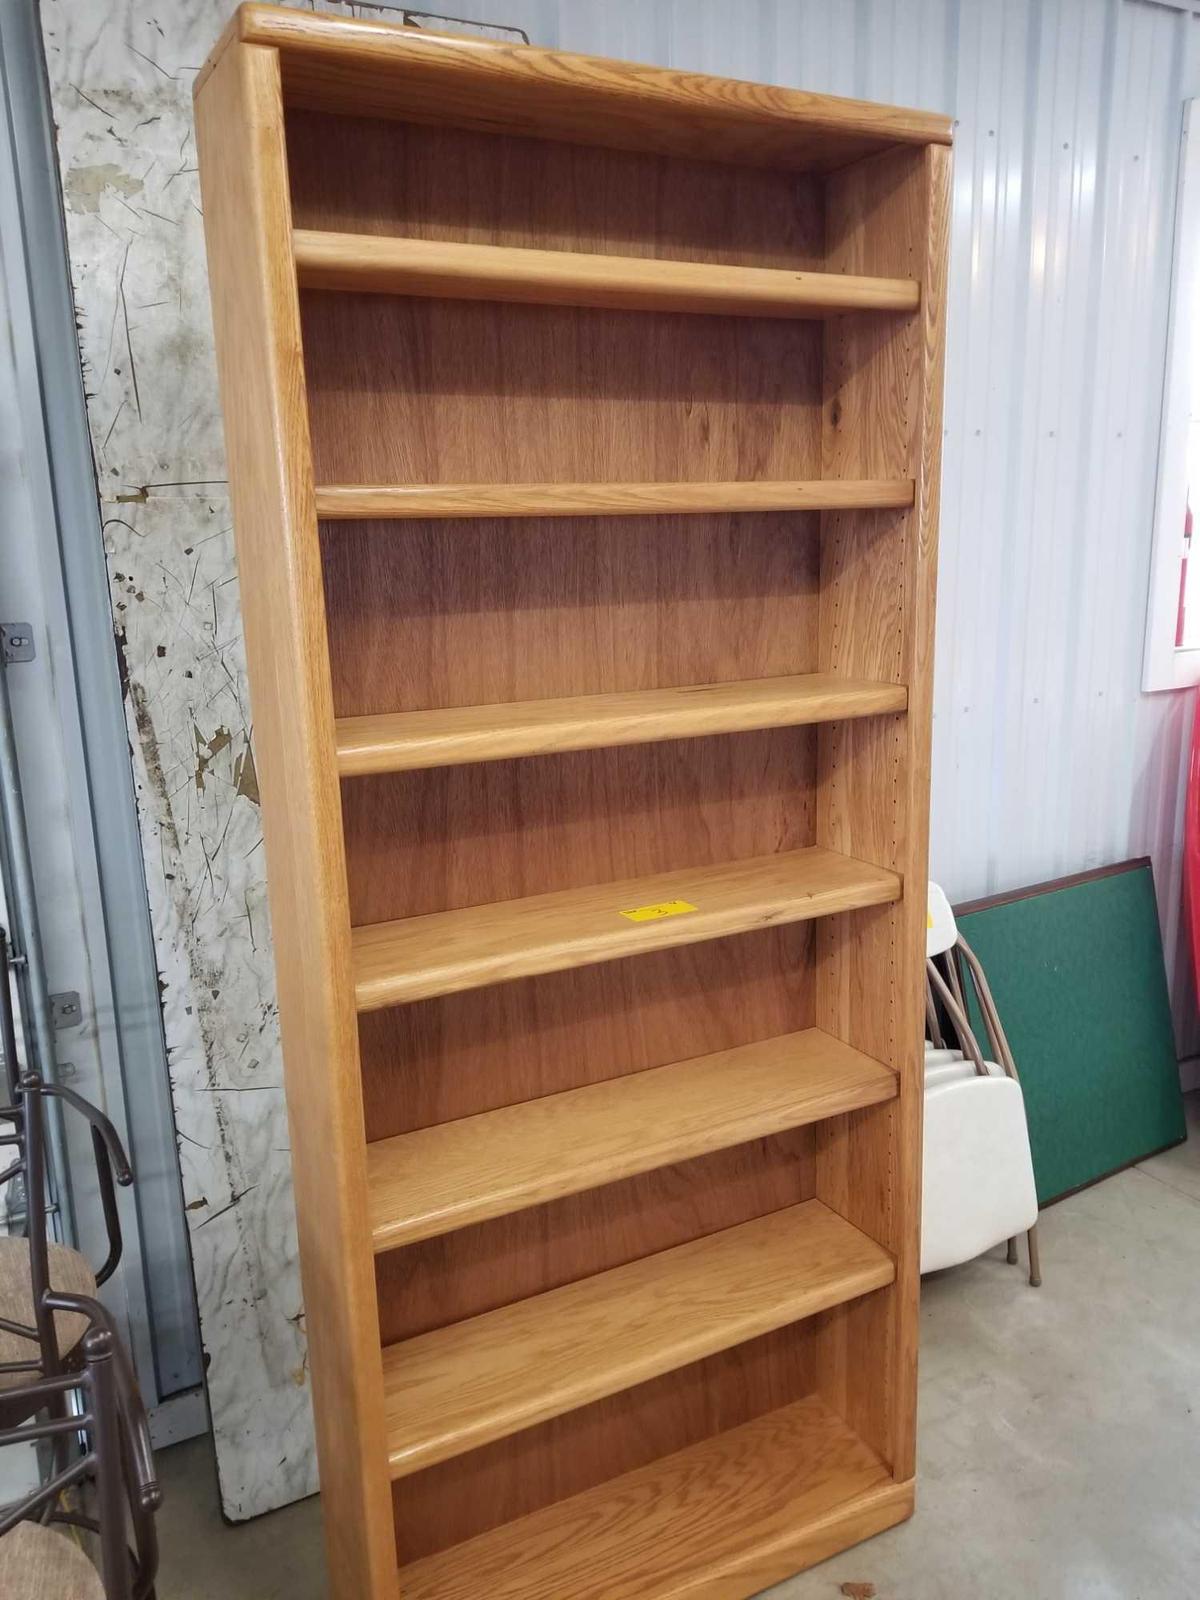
(1048, 759)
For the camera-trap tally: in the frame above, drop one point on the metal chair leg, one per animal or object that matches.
(1012, 1251)
(999, 1039)
(1035, 1258)
(957, 1016)
(932, 1025)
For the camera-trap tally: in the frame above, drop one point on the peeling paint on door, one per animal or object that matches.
(121, 78)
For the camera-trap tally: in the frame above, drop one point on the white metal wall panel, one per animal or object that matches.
(1048, 758)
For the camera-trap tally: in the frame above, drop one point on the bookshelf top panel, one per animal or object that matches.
(379, 69)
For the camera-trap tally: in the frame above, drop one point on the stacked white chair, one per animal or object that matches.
(978, 1187)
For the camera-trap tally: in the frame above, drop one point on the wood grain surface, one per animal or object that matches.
(626, 1202)
(374, 264)
(439, 1179)
(239, 127)
(376, 68)
(355, 174)
(722, 1520)
(501, 1482)
(402, 741)
(462, 391)
(474, 613)
(462, 1386)
(359, 502)
(485, 832)
(443, 952)
(884, 415)
(480, 1268)
(438, 1060)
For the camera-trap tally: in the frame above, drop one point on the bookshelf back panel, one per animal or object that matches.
(500, 830)
(358, 175)
(427, 614)
(514, 1476)
(456, 391)
(474, 1270)
(454, 1056)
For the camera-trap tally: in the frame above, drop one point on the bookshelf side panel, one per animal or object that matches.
(883, 387)
(239, 117)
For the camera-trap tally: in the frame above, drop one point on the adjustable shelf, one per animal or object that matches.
(444, 952)
(404, 741)
(368, 264)
(450, 1391)
(351, 501)
(594, 796)
(454, 1174)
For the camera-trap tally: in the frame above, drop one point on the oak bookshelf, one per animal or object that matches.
(583, 423)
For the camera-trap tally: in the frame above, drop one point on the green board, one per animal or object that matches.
(1076, 969)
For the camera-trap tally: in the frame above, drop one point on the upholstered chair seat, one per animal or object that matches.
(39, 1563)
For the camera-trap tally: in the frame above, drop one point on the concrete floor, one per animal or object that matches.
(1059, 1438)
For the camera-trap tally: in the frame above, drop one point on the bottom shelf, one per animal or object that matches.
(721, 1520)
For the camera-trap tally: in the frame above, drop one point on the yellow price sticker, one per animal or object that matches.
(665, 908)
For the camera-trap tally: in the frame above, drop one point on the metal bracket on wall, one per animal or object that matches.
(17, 638)
(414, 19)
(66, 1011)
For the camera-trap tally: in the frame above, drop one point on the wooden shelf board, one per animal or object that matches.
(723, 1519)
(359, 501)
(375, 69)
(445, 952)
(457, 1173)
(403, 741)
(366, 263)
(462, 1386)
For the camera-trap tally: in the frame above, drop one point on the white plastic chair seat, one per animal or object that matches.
(977, 1187)
(960, 1067)
(934, 1058)
(943, 1064)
